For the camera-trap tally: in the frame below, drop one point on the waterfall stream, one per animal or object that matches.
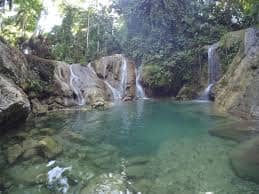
(213, 70)
(139, 88)
(115, 93)
(124, 77)
(74, 82)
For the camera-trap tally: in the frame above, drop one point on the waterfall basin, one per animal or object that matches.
(147, 146)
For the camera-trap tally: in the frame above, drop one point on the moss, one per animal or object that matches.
(230, 45)
(156, 76)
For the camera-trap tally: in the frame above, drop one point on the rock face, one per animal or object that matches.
(14, 104)
(118, 73)
(237, 91)
(50, 85)
(13, 64)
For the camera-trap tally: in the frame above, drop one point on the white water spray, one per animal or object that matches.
(74, 81)
(124, 77)
(116, 95)
(140, 90)
(213, 70)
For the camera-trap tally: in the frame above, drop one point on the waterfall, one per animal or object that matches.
(140, 90)
(124, 77)
(115, 93)
(213, 64)
(74, 82)
(213, 70)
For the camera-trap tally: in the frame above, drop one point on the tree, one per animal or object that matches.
(24, 22)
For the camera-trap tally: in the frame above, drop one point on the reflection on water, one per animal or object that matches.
(147, 146)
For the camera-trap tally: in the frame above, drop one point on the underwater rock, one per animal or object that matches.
(239, 131)
(139, 160)
(13, 153)
(50, 147)
(46, 131)
(29, 174)
(74, 137)
(135, 172)
(245, 159)
(30, 144)
(106, 183)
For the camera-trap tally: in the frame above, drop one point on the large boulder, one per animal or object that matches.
(237, 91)
(14, 104)
(13, 64)
(245, 159)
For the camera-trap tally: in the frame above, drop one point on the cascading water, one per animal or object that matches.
(124, 77)
(213, 70)
(213, 64)
(74, 81)
(140, 90)
(115, 93)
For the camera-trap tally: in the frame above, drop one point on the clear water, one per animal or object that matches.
(153, 146)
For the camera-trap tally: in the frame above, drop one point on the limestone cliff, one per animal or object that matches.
(237, 92)
(30, 82)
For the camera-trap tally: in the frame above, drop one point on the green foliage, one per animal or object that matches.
(23, 23)
(84, 35)
(156, 76)
(230, 44)
(33, 87)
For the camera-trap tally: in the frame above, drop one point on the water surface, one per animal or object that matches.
(150, 146)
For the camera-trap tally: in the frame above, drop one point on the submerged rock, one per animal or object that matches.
(239, 131)
(245, 159)
(106, 183)
(13, 153)
(50, 147)
(28, 175)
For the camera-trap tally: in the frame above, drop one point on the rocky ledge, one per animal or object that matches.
(29, 82)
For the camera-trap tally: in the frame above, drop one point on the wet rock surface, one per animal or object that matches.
(237, 91)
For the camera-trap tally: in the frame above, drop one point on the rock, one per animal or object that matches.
(50, 147)
(13, 64)
(187, 93)
(47, 131)
(135, 172)
(239, 131)
(109, 69)
(28, 175)
(105, 183)
(14, 104)
(75, 137)
(30, 144)
(13, 153)
(245, 159)
(237, 91)
(140, 160)
(37, 107)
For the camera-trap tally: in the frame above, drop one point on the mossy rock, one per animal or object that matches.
(13, 152)
(50, 147)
